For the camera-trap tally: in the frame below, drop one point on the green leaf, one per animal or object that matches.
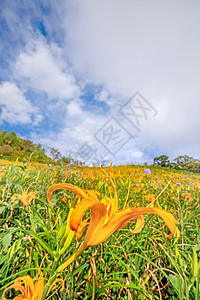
(40, 241)
(177, 284)
(2, 208)
(7, 240)
(3, 181)
(80, 268)
(3, 258)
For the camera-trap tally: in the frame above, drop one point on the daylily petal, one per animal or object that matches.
(58, 280)
(79, 211)
(114, 201)
(17, 287)
(81, 228)
(25, 197)
(28, 198)
(114, 206)
(38, 289)
(28, 284)
(98, 216)
(98, 232)
(14, 197)
(108, 202)
(67, 186)
(92, 195)
(139, 225)
(124, 216)
(168, 218)
(20, 297)
(28, 291)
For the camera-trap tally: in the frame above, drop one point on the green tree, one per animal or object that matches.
(6, 150)
(186, 163)
(55, 153)
(162, 161)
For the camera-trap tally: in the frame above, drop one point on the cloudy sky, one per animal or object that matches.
(102, 80)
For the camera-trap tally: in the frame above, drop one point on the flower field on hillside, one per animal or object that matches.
(74, 232)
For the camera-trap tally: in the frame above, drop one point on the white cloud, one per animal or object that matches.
(79, 128)
(41, 68)
(15, 108)
(74, 108)
(149, 47)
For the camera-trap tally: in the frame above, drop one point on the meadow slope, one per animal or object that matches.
(146, 265)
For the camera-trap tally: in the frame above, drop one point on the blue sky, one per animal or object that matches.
(102, 80)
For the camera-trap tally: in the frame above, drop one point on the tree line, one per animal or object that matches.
(13, 147)
(182, 162)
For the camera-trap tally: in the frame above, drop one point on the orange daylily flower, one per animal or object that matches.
(105, 218)
(149, 197)
(30, 291)
(25, 197)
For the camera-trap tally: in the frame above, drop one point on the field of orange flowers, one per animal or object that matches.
(126, 232)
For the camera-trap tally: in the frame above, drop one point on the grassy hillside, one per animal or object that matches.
(13, 147)
(36, 239)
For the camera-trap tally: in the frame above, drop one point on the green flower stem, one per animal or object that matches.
(72, 258)
(51, 279)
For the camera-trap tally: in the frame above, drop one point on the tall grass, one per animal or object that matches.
(141, 266)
